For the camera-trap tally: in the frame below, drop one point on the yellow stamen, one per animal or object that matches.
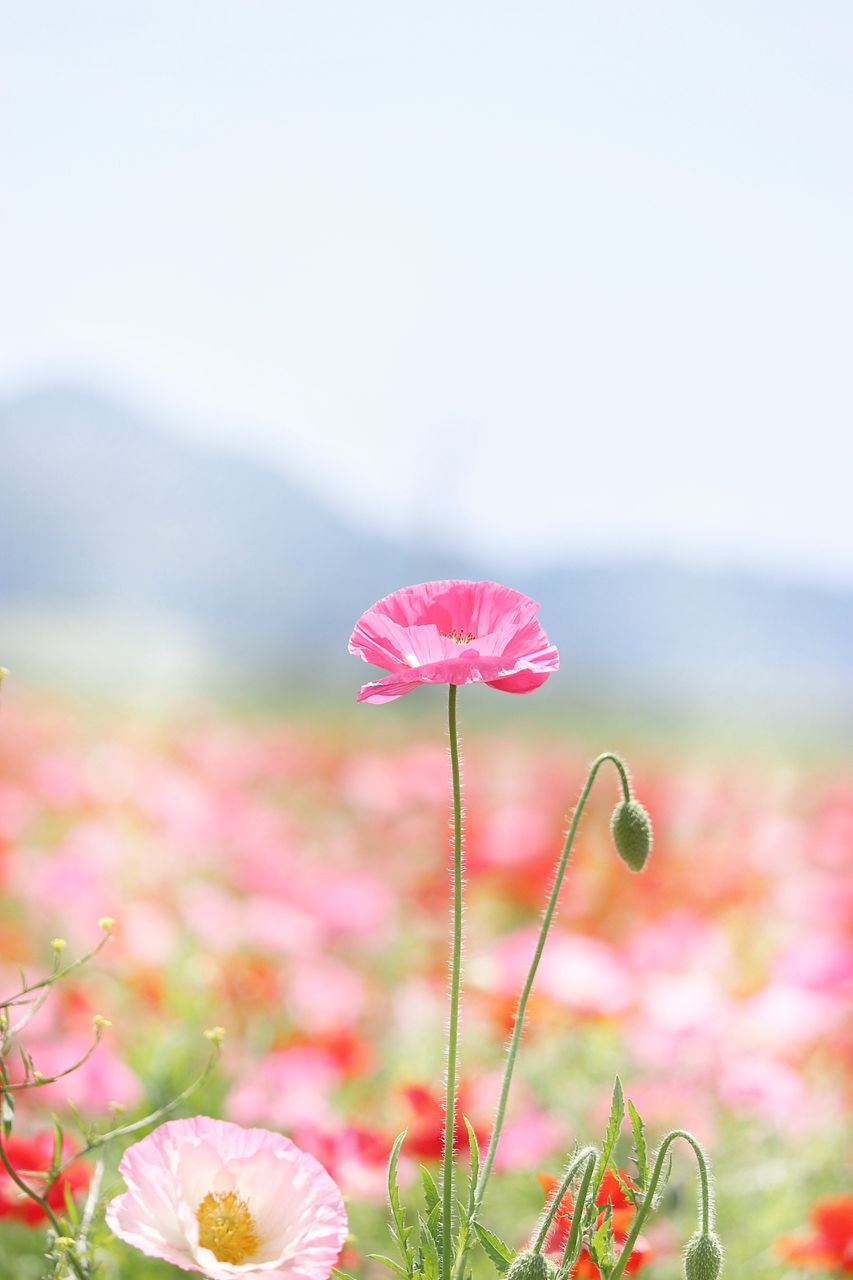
(226, 1227)
(459, 637)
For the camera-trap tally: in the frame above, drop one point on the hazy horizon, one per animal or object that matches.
(547, 286)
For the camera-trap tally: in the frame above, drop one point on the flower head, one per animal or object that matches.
(212, 1197)
(453, 632)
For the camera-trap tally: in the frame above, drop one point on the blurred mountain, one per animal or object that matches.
(127, 549)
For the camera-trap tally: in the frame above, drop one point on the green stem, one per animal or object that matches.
(573, 1244)
(518, 1025)
(455, 983)
(706, 1205)
(590, 1155)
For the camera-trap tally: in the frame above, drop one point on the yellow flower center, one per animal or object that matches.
(226, 1227)
(459, 637)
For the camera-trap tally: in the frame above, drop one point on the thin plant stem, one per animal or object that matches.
(706, 1206)
(455, 985)
(547, 919)
(590, 1155)
(573, 1244)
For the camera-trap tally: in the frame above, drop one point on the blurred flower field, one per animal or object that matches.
(287, 880)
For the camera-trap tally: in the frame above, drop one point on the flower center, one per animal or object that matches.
(226, 1227)
(459, 637)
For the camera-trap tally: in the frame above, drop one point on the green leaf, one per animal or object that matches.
(403, 1230)
(498, 1250)
(390, 1264)
(431, 1195)
(641, 1155)
(341, 1275)
(56, 1158)
(430, 1262)
(474, 1148)
(601, 1244)
(611, 1136)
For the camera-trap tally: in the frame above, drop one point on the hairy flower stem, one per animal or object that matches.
(706, 1203)
(455, 984)
(590, 1155)
(547, 919)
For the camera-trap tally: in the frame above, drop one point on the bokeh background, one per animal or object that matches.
(300, 303)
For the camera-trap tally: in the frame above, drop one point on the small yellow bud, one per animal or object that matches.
(63, 1244)
(38, 1077)
(107, 924)
(58, 944)
(117, 1108)
(100, 1024)
(215, 1035)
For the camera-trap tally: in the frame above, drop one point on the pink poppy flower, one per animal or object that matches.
(453, 633)
(211, 1197)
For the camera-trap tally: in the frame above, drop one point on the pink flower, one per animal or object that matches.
(213, 1198)
(453, 633)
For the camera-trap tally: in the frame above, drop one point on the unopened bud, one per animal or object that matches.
(107, 924)
(631, 828)
(215, 1035)
(63, 1244)
(100, 1024)
(530, 1266)
(58, 944)
(703, 1257)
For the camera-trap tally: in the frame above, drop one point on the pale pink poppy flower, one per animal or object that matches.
(211, 1197)
(453, 632)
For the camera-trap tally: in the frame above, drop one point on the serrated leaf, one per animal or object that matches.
(641, 1154)
(601, 1243)
(389, 1263)
(611, 1136)
(498, 1250)
(430, 1261)
(474, 1148)
(431, 1195)
(403, 1229)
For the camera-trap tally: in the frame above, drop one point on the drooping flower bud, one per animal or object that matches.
(703, 1257)
(631, 828)
(530, 1266)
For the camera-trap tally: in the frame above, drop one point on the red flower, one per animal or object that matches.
(830, 1247)
(622, 1214)
(425, 1127)
(30, 1157)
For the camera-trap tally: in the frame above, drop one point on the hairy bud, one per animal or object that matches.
(631, 828)
(703, 1257)
(530, 1266)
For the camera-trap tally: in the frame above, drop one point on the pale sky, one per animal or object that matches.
(557, 279)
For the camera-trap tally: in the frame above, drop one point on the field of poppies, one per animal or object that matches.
(285, 878)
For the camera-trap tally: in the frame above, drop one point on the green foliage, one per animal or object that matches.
(640, 1153)
(498, 1250)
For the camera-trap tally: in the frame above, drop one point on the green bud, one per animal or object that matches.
(631, 828)
(530, 1266)
(703, 1257)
